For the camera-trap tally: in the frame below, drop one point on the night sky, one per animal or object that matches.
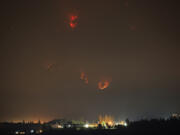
(50, 70)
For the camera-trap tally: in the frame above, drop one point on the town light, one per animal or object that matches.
(32, 131)
(86, 125)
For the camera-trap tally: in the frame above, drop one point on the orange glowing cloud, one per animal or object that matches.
(103, 84)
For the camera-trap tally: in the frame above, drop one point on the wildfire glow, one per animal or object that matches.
(73, 18)
(49, 66)
(72, 25)
(84, 77)
(103, 84)
(106, 120)
(73, 21)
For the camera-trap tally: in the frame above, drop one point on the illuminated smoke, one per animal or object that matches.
(84, 77)
(103, 84)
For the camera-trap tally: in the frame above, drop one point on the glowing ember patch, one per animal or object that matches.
(73, 21)
(73, 18)
(86, 80)
(103, 84)
(49, 66)
(84, 77)
(72, 25)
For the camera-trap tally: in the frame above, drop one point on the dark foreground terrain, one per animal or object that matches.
(143, 127)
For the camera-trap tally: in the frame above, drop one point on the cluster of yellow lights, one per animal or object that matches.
(20, 133)
(93, 125)
(123, 123)
(106, 119)
(40, 131)
(23, 133)
(59, 126)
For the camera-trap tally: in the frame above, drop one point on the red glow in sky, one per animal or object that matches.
(72, 25)
(73, 21)
(73, 18)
